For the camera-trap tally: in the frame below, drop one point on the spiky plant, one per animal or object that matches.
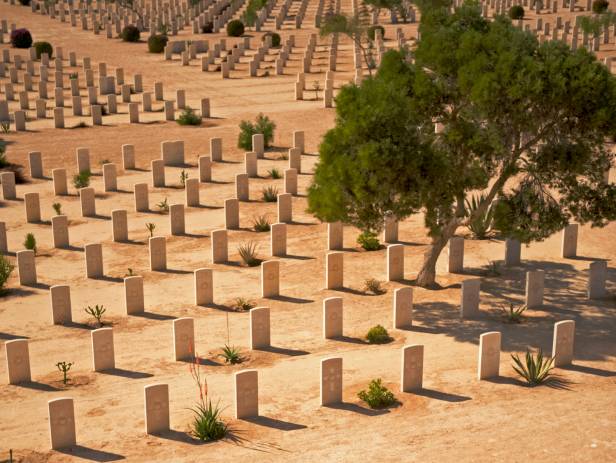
(151, 227)
(248, 253)
(207, 423)
(260, 223)
(372, 285)
(163, 206)
(183, 178)
(97, 312)
(536, 369)
(274, 173)
(270, 194)
(231, 354)
(64, 367)
(513, 314)
(479, 224)
(57, 207)
(243, 305)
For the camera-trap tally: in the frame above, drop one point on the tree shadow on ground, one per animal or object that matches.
(88, 453)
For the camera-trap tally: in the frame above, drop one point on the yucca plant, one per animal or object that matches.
(231, 354)
(151, 227)
(5, 126)
(163, 206)
(270, 194)
(248, 253)
(513, 314)
(260, 223)
(97, 312)
(207, 423)
(536, 369)
(57, 207)
(372, 285)
(482, 223)
(274, 173)
(64, 367)
(243, 305)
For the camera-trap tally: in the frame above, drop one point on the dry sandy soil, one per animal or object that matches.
(455, 418)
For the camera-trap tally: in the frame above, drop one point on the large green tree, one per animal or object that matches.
(523, 122)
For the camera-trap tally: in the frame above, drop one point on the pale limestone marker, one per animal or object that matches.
(88, 202)
(250, 164)
(332, 317)
(290, 181)
(128, 157)
(142, 201)
(60, 186)
(119, 225)
(33, 207)
(204, 286)
(597, 275)
(103, 357)
(562, 344)
(17, 361)
(331, 381)
(278, 239)
(36, 164)
(403, 308)
(242, 191)
(390, 230)
(259, 328)
(158, 253)
(94, 260)
(334, 270)
(59, 227)
(27, 267)
(335, 236)
(220, 253)
(285, 208)
(412, 368)
(183, 338)
(8, 185)
(83, 160)
(246, 394)
(258, 145)
(395, 262)
(298, 140)
(232, 214)
(133, 295)
(192, 192)
(270, 278)
(176, 219)
(469, 304)
(534, 288)
(569, 240)
(489, 355)
(60, 297)
(513, 251)
(110, 177)
(61, 423)
(172, 152)
(158, 173)
(205, 169)
(295, 159)
(456, 254)
(156, 408)
(216, 149)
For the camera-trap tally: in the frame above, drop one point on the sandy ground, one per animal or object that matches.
(455, 417)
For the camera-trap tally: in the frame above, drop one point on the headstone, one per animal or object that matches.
(232, 214)
(158, 173)
(395, 262)
(246, 394)
(119, 225)
(290, 181)
(534, 288)
(259, 327)
(219, 247)
(183, 338)
(512, 252)
(128, 157)
(204, 286)
(403, 308)
(142, 201)
(242, 192)
(412, 368)
(331, 381)
(216, 149)
(156, 408)
(569, 240)
(298, 140)
(192, 192)
(332, 317)
(597, 275)
(88, 202)
(176, 219)
(4, 247)
(270, 281)
(133, 295)
(62, 423)
(110, 177)
(36, 164)
(205, 169)
(8, 185)
(334, 270)
(103, 357)
(562, 345)
(285, 208)
(258, 145)
(59, 226)
(456, 254)
(489, 355)
(278, 239)
(60, 296)
(469, 305)
(94, 260)
(390, 230)
(158, 253)
(33, 207)
(172, 152)
(17, 361)
(27, 267)
(60, 186)
(335, 232)
(83, 160)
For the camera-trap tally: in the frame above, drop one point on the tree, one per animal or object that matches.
(524, 123)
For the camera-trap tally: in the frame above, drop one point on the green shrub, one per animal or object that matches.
(207, 28)
(481, 224)
(378, 335)
(235, 28)
(270, 194)
(368, 241)
(372, 32)
(516, 12)
(377, 395)
(57, 207)
(274, 173)
(82, 179)
(130, 34)
(248, 253)
(30, 242)
(262, 125)
(231, 354)
(21, 38)
(6, 268)
(43, 47)
(260, 223)
(535, 370)
(4, 162)
(600, 6)
(513, 314)
(157, 43)
(275, 38)
(189, 117)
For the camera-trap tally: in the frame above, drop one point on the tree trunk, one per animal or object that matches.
(427, 275)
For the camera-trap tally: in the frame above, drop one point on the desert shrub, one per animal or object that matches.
(235, 28)
(231, 354)
(513, 314)
(377, 395)
(269, 194)
(64, 367)
(378, 335)
(600, 6)
(248, 253)
(21, 38)
(189, 117)
(43, 47)
(96, 312)
(260, 223)
(82, 179)
(130, 34)
(481, 224)
(242, 305)
(4, 162)
(274, 173)
(30, 242)
(150, 227)
(5, 126)
(57, 207)
(157, 43)
(372, 285)
(6, 268)
(275, 38)
(163, 206)
(207, 28)
(372, 32)
(368, 241)
(535, 370)
(516, 12)
(262, 125)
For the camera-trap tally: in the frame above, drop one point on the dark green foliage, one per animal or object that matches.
(600, 6)
(248, 253)
(513, 314)
(368, 241)
(377, 395)
(30, 242)
(6, 268)
(378, 335)
(157, 43)
(250, 14)
(82, 179)
(4, 162)
(535, 370)
(372, 32)
(42, 47)
(208, 28)
(274, 173)
(235, 28)
(25, 2)
(21, 38)
(516, 12)
(270, 194)
(275, 38)
(188, 116)
(130, 34)
(261, 223)
(262, 125)
(231, 354)
(481, 221)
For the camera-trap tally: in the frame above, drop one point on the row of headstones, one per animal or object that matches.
(284, 13)
(540, 6)
(246, 389)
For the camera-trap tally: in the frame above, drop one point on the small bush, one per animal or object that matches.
(163, 206)
(183, 178)
(157, 43)
(513, 314)
(6, 268)
(189, 117)
(64, 368)
(373, 286)
(30, 242)
(43, 47)
(274, 173)
(377, 395)
(21, 38)
(248, 253)
(242, 305)
(378, 335)
(207, 28)
(207, 423)
(57, 207)
(130, 34)
(4, 162)
(600, 6)
(372, 32)
(535, 370)
(231, 354)
(151, 227)
(235, 28)
(269, 194)
(262, 125)
(516, 12)
(260, 223)
(368, 241)
(96, 312)
(82, 179)
(275, 38)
